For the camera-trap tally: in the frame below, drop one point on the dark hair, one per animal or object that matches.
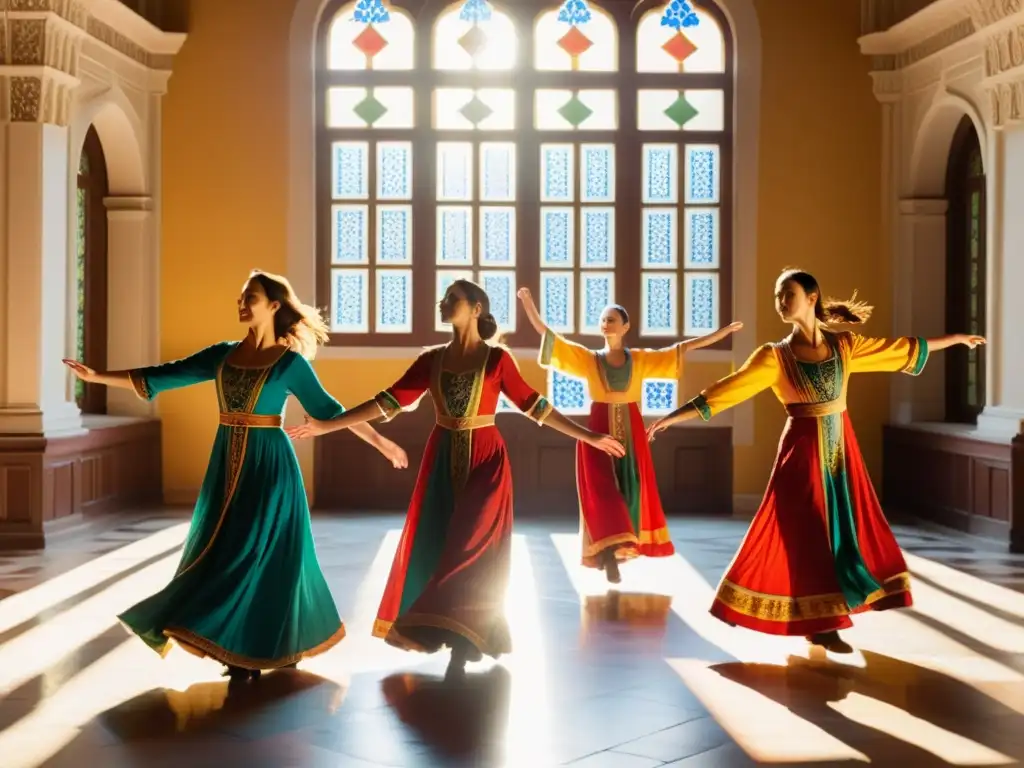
(301, 326)
(621, 310)
(829, 310)
(486, 324)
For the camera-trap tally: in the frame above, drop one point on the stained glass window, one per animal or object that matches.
(441, 133)
(81, 230)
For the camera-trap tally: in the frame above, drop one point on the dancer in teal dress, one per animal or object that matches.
(248, 591)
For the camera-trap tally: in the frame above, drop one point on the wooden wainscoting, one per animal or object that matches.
(954, 480)
(113, 466)
(694, 467)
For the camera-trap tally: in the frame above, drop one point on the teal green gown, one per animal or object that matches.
(248, 591)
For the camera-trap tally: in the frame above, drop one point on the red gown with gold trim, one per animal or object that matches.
(451, 570)
(819, 548)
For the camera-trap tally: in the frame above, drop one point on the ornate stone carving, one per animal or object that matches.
(1007, 101)
(28, 41)
(25, 99)
(1004, 51)
(988, 12)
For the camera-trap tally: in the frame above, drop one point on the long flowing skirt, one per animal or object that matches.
(620, 507)
(451, 569)
(249, 590)
(819, 548)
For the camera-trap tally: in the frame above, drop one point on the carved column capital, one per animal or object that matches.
(985, 13)
(40, 43)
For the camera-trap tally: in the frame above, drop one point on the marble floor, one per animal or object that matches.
(634, 678)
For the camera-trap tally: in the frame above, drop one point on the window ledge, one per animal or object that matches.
(967, 431)
(102, 421)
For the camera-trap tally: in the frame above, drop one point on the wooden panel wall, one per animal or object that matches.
(694, 468)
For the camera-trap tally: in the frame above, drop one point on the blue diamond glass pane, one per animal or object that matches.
(350, 161)
(555, 301)
(678, 15)
(659, 303)
(568, 394)
(556, 173)
(455, 167)
(370, 12)
(597, 294)
(598, 237)
(394, 171)
(454, 235)
(598, 182)
(394, 228)
(659, 396)
(497, 172)
(702, 174)
(475, 11)
(702, 303)
(659, 238)
(701, 238)
(498, 227)
(500, 289)
(350, 300)
(394, 300)
(350, 233)
(556, 238)
(659, 174)
(574, 12)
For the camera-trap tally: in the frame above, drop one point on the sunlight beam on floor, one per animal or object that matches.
(22, 606)
(33, 652)
(966, 585)
(976, 623)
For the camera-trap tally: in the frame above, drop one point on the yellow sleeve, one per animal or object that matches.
(565, 356)
(757, 374)
(664, 363)
(907, 354)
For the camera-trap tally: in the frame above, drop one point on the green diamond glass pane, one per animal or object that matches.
(370, 110)
(475, 110)
(681, 111)
(575, 111)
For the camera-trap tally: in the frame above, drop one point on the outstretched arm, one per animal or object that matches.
(115, 379)
(712, 338)
(759, 372)
(953, 339)
(532, 313)
(907, 354)
(150, 381)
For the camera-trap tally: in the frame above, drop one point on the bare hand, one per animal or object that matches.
(655, 428)
(84, 372)
(608, 444)
(970, 340)
(393, 452)
(733, 327)
(312, 428)
(525, 295)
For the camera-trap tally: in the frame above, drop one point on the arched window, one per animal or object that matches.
(581, 149)
(965, 274)
(91, 271)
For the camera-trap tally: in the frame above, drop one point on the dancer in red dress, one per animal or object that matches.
(819, 548)
(448, 579)
(620, 509)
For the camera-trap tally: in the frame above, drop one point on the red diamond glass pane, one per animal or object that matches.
(370, 42)
(679, 47)
(574, 42)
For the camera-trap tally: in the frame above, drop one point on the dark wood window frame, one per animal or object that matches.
(628, 141)
(94, 188)
(965, 186)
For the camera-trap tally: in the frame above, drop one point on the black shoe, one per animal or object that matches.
(830, 641)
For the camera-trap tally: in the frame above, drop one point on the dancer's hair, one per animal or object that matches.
(299, 325)
(486, 324)
(621, 310)
(829, 310)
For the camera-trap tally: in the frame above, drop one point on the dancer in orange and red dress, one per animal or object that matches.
(448, 579)
(819, 548)
(621, 515)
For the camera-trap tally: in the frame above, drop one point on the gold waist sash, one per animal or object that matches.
(249, 420)
(815, 410)
(461, 423)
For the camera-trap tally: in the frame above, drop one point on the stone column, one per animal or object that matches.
(38, 63)
(130, 314)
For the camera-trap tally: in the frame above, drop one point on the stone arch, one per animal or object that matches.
(122, 136)
(932, 142)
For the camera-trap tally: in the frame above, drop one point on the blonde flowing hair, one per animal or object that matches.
(300, 326)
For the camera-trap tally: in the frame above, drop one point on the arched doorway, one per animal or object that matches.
(965, 273)
(91, 270)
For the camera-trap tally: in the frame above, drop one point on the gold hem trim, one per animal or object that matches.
(200, 646)
(387, 631)
(759, 605)
(595, 548)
